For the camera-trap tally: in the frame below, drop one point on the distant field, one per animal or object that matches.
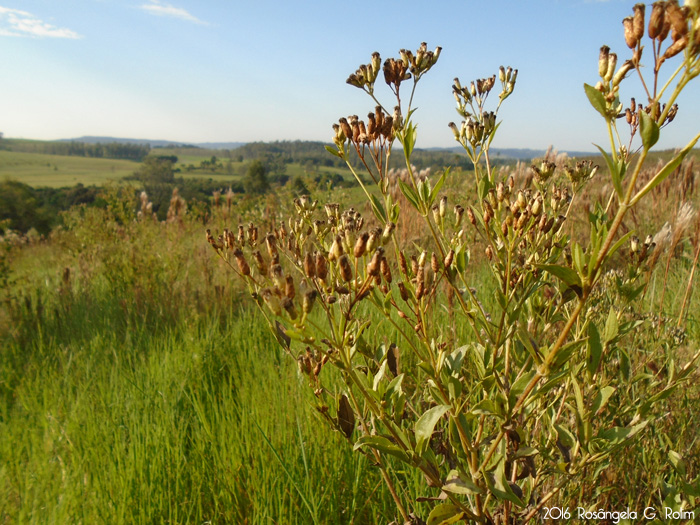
(56, 171)
(37, 170)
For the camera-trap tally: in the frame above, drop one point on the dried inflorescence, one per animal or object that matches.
(146, 211)
(331, 257)
(479, 124)
(666, 19)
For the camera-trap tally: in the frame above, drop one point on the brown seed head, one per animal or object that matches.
(630, 37)
(388, 230)
(471, 216)
(459, 214)
(288, 305)
(260, 262)
(403, 265)
(345, 268)
(307, 302)
(603, 61)
(271, 300)
(403, 292)
(371, 127)
(243, 266)
(289, 290)
(309, 266)
(385, 270)
(277, 275)
(321, 266)
(374, 239)
(449, 258)
(336, 249)
(638, 21)
(676, 47)
(434, 263)
(361, 245)
(678, 18)
(271, 243)
(656, 20)
(374, 266)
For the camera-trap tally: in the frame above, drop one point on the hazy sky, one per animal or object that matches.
(206, 70)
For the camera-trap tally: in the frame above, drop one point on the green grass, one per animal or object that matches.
(57, 171)
(110, 419)
(146, 389)
(39, 170)
(143, 392)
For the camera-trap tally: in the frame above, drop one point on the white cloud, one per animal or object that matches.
(14, 22)
(156, 7)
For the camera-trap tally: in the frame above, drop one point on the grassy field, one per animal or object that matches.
(139, 385)
(136, 386)
(56, 171)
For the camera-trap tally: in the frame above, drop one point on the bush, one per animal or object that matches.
(550, 388)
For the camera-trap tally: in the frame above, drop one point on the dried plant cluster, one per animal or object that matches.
(551, 385)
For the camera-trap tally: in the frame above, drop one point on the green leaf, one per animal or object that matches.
(438, 185)
(458, 485)
(379, 375)
(579, 258)
(378, 208)
(408, 139)
(487, 407)
(410, 194)
(381, 444)
(425, 426)
(578, 395)
(618, 435)
(569, 276)
(677, 461)
(519, 387)
(454, 361)
(394, 213)
(444, 514)
(616, 170)
(333, 151)
(611, 327)
(566, 352)
(597, 100)
(648, 130)
(500, 487)
(619, 243)
(595, 350)
(565, 436)
(492, 135)
(601, 399)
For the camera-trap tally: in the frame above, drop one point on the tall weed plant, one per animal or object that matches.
(561, 375)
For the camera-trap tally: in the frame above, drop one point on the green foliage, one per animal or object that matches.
(255, 180)
(110, 150)
(20, 208)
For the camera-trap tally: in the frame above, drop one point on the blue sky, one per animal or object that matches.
(216, 71)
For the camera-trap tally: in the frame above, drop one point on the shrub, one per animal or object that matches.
(551, 387)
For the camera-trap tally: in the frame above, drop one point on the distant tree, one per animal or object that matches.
(155, 169)
(255, 180)
(299, 186)
(20, 209)
(170, 158)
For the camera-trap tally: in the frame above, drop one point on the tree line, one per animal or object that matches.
(110, 150)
